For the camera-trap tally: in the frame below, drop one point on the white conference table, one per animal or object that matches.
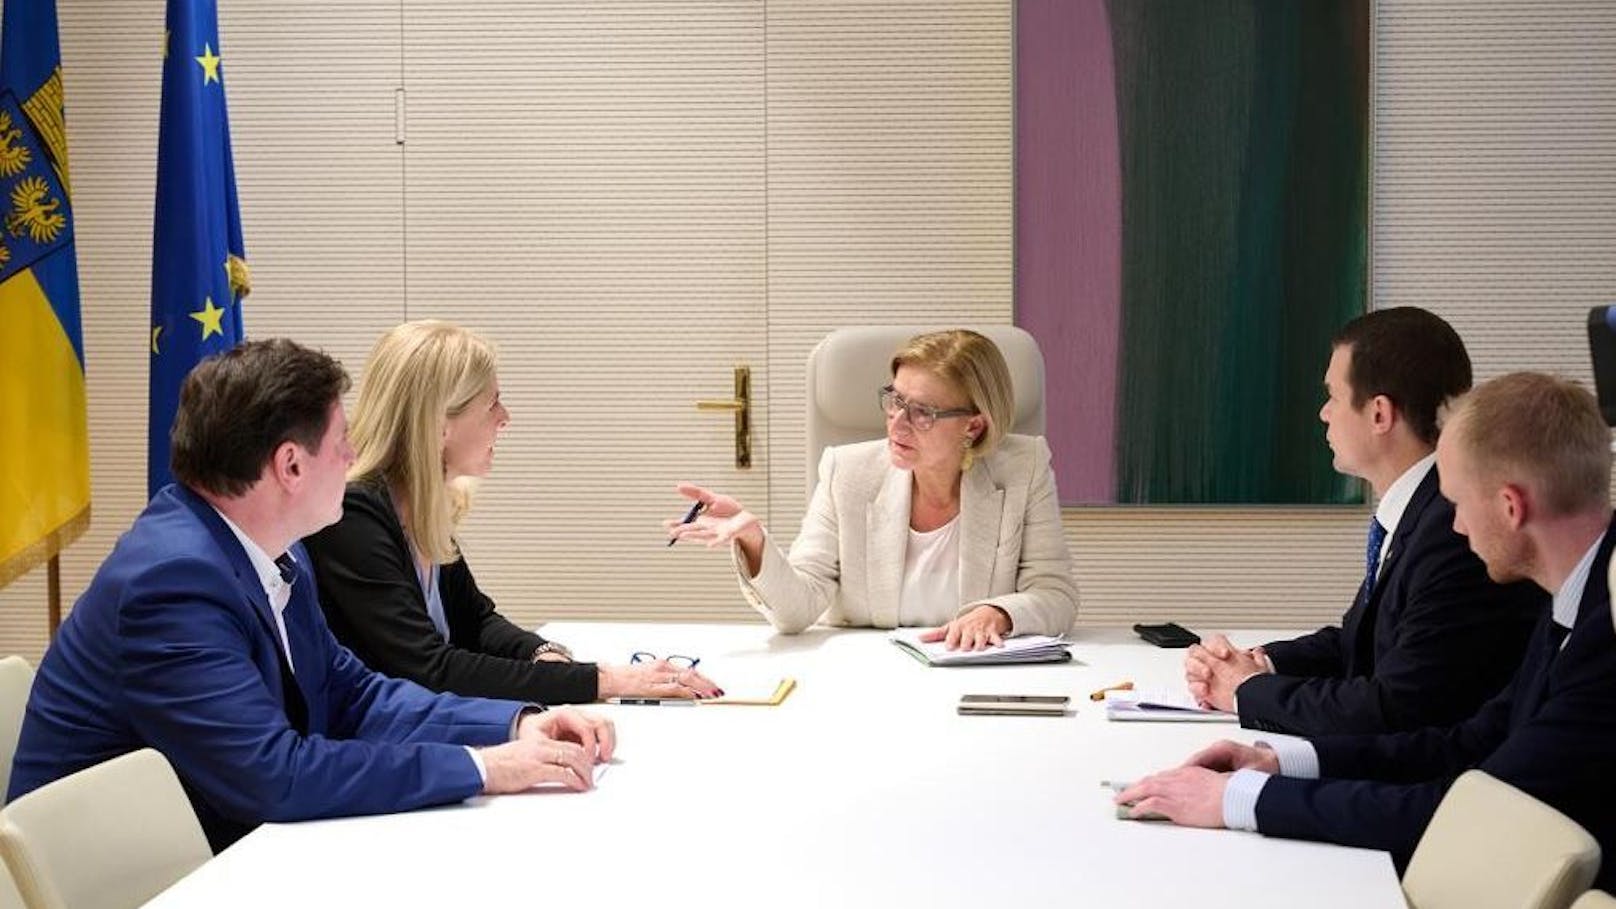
(864, 788)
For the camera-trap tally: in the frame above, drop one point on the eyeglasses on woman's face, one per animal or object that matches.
(921, 416)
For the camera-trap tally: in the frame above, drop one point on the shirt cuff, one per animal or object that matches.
(1240, 799)
(482, 771)
(1297, 756)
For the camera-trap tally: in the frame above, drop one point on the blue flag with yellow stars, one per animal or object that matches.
(44, 439)
(199, 269)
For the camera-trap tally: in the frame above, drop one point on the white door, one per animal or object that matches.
(584, 183)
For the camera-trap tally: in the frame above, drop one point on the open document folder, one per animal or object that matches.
(1161, 706)
(1028, 648)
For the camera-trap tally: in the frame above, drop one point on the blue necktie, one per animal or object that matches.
(297, 708)
(1377, 536)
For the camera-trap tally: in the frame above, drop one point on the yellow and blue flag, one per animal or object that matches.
(199, 272)
(44, 439)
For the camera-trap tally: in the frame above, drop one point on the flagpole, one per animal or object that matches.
(53, 594)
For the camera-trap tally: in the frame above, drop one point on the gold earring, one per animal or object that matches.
(970, 454)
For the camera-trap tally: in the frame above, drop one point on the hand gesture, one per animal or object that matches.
(721, 520)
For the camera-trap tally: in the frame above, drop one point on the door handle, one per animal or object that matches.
(741, 406)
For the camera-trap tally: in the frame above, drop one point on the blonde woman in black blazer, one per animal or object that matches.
(393, 583)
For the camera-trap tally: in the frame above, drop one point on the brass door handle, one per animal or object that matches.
(741, 406)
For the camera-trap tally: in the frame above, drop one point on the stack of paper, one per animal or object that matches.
(1028, 648)
(1160, 706)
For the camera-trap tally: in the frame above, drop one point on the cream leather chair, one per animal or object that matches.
(111, 836)
(1491, 844)
(1595, 899)
(16, 678)
(847, 369)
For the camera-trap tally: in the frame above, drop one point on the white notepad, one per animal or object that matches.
(1160, 706)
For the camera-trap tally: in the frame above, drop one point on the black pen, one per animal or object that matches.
(689, 516)
(654, 702)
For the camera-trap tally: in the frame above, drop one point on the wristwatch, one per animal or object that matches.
(551, 647)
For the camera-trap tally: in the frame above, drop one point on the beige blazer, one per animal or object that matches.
(846, 565)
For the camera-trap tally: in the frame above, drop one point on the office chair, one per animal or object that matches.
(16, 678)
(111, 836)
(847, 369)
(1491, 844)
(10, 898)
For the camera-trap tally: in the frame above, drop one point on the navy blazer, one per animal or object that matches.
(173, 646)
(1432, 642)
(1551, 733)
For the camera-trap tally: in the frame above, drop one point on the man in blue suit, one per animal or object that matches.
(1428, 637)
(201, 637)
(1526, 461)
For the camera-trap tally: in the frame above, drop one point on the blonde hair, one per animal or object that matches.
(972, 364)
(1539, 431)
(418, 376)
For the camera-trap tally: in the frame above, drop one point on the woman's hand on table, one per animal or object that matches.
(658, 679)
(984, 626)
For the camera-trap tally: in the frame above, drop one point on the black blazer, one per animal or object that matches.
(1434, 640)
(374, 605)
(1551, 733)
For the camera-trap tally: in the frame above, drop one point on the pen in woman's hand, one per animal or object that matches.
(689, 516)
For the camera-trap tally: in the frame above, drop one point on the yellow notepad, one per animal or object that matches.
(785, 687)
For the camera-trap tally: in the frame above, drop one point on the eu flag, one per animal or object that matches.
(44, 440)
(199, 272)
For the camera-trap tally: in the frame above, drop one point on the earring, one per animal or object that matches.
(970, 453)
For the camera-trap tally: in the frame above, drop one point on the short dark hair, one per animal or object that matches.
(237, 407)
(1412, 357)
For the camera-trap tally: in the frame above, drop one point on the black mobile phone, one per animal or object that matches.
(1167, 634)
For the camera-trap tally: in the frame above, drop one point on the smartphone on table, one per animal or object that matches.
(1013, 704)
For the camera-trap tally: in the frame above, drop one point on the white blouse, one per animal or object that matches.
(931, 563)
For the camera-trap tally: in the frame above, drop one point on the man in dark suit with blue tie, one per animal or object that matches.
(200, 636)
(1526, 462)
(1428, 637)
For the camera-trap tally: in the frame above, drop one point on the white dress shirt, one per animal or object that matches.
(276, 588)
(1392, 505)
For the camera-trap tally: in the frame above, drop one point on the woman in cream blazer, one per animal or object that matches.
(948, 522)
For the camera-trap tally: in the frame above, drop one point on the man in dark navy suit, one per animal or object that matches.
(1428, 637)
(201, 636)
(1526, 462)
